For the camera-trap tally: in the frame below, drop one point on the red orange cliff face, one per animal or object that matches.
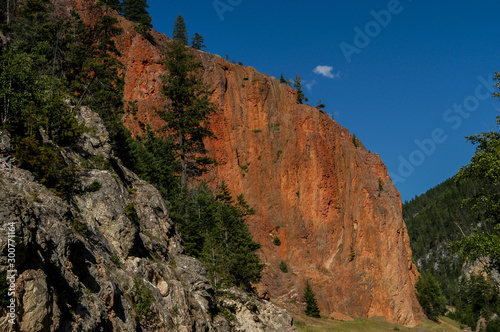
(331, 203)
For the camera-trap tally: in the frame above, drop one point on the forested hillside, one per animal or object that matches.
(435, 220)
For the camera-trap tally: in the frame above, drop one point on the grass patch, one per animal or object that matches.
(374, 324)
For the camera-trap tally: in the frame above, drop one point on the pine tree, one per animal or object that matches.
(216, 232)
(180, 33)
(186, 114)
(135, 11)
(297, 84)
(320, 105)
(282, 79)
(309, 297)
(285, 80)
(197, 41)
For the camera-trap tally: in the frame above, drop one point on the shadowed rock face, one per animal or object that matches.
(79, 263)
(331, 203)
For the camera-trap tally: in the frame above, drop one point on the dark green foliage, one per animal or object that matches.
(355, 140)
(297, 84)
(130, 210)
(46, 164)
(197, 41)
(276, 241)
(79, 227)
(309, 297)
(430, 296)
(180, 33)
(153, 159)
(214, 230)
(484, 169)
(283, 267)
(35, 66)
(320, 105)
(143, 300)
(186, 113)
(136, 11)
(285, 81)
(434, 220)
(7, 11)
(115, 260)
(94, 186)
(477, 297)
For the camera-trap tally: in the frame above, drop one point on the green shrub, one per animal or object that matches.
(143, 301)
(46, 165)
(276, 241)
(116, 260)
(130, 210)
(283, 267)
(79, 227)
(94, 186)
(355, 140)
(257, 130)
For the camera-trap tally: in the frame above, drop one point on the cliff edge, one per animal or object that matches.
(329, 200)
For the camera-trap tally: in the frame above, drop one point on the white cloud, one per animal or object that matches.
(325, 71)
(309, 85)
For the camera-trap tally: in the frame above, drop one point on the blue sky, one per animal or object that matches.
(410, 78)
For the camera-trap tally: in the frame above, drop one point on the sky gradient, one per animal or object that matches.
(410, 78)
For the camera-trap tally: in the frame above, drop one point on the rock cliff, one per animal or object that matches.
(109, 259)
(329, 201)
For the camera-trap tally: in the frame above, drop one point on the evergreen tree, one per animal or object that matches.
(135, 11)
(297, 84)
(312, 308)
(285, 80)
(7, 11)
(216, 233)
(320, 105)
(180, 33)
(186, 114)
(430, 296)
(197, 41)
(282, 79)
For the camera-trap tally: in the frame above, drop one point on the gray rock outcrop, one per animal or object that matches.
(109, 258)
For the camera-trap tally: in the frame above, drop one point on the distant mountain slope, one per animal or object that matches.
(434, 220)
